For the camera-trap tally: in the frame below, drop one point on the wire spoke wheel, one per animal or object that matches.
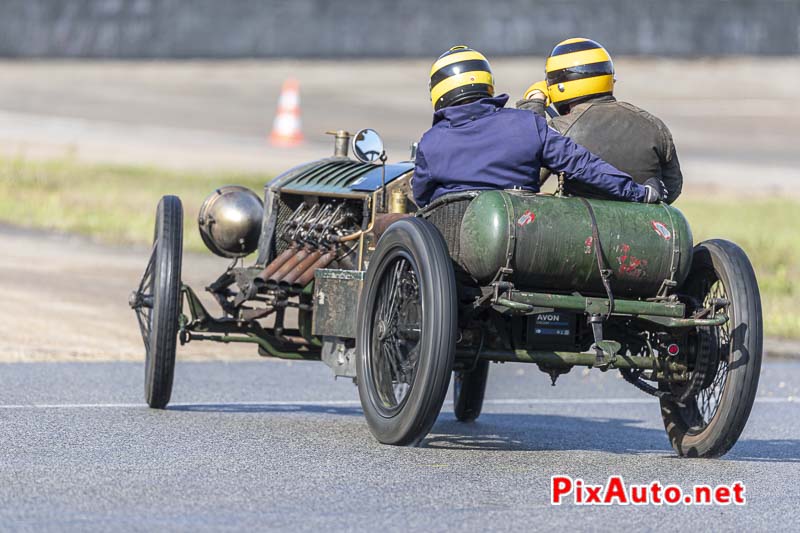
(156, 302)
(709, 398)
(395, 354)
(705, 417)
(141, 300)
(712, 359)
(406, 332)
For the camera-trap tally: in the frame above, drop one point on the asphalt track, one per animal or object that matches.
(271, 445)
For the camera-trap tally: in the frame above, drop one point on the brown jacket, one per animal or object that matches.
(629, 138)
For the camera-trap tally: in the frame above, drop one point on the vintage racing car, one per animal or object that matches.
(349, 271)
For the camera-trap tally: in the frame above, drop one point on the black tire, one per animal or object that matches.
(469, 388)
(159, 300)
(710, 423)
(407, 325)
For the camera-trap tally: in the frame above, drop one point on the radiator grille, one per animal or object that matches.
(286, 205)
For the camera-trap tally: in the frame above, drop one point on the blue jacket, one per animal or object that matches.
(482, 145)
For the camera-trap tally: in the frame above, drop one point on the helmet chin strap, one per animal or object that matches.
(469, 100)
(564, 108)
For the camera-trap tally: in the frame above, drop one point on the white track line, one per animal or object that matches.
(324, 403)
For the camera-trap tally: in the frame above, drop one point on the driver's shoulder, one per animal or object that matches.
(636, 110)
(431, 137)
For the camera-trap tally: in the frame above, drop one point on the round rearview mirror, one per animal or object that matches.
(367, 146)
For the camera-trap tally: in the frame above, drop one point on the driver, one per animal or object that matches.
(477, 144)
(580, 85)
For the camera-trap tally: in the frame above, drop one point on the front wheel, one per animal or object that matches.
(407, 325)
(157, 302)
(725, 361)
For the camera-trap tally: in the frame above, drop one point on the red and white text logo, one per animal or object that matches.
(565, 489)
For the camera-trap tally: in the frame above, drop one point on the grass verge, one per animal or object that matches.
(116, 204)
(110, 203)
(766, 228)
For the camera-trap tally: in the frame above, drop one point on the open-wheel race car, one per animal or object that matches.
(349, 271)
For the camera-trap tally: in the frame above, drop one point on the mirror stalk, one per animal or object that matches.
(383, 181)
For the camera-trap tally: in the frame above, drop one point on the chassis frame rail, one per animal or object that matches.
(549, 359)
(200, 325)
(666, 314)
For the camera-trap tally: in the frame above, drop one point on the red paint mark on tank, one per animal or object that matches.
(629, 265)
(661, 229)
(623, 249)
(526, 218)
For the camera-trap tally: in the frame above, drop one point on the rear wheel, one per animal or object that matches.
(406, 332)
(157, 302)
(725, 360)
(469, 388)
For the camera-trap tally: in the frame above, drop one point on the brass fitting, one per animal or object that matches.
(341, 142)
(397, 202)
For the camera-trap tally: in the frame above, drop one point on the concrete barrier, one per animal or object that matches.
(390, 28)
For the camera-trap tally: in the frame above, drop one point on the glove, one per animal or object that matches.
(656, 191)
(538, 86)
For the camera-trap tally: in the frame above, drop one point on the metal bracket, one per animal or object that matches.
(595, 320)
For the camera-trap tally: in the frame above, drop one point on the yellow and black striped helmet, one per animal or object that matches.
(576, 69)
(460, 74)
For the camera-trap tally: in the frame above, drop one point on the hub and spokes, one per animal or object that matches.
(141, 300)
(396, 335)
(709, 398)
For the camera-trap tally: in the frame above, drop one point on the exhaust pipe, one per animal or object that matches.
(307, 276)
(294, 226)
(285, 268)
(297, 271)
(276, 263)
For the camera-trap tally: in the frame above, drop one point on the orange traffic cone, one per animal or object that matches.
(286, 127)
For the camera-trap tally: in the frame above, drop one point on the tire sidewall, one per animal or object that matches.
(160, 358)
(431, 263)
(733, 269)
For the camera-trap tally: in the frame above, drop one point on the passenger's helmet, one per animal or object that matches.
(460, 74)
(576, 70)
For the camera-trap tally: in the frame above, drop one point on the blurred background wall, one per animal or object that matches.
(390, 28)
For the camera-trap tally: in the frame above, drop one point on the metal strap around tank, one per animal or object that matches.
(676, 253)
(602, 265)
(676, 249)
(512, 231)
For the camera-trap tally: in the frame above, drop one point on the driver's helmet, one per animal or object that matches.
(576, 70)
(460, 74)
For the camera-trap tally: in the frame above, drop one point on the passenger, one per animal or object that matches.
(477, 144)
(580, 85)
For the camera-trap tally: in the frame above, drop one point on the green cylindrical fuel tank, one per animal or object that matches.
(547, 241)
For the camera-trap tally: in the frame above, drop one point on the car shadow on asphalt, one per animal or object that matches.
(535, 432)
(541, 432)
(532, 432)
